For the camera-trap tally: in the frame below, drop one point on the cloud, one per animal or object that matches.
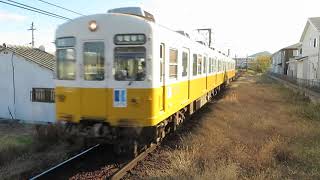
(5, 16)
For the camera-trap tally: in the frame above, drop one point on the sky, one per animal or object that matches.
(244, 26)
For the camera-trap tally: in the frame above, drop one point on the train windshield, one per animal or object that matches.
(66, 64)
(130, 63)
(93, 59)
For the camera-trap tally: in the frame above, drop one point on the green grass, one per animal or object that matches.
(12, 146)
(15, 141)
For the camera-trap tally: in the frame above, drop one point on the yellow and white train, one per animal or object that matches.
(124, 78)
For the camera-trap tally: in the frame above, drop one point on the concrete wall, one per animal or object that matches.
(27, 75)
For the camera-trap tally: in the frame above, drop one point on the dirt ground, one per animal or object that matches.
(257, 130)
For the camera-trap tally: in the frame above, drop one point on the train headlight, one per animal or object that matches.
(127, 39)
(93, 26)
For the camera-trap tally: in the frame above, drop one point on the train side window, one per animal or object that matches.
(199, 64)
(194, 66)
(204, 65)
(161, 62)
(185, 60)
(173, 64)
(210, 63)
(93, 61)
(161, 50)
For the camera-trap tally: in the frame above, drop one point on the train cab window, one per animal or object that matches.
(219, 65)
(195, 61)
(66, 62)
(93, 61)
(204, 65)
(130, 63)
(173, 64)
(185, 60)
(199, 64)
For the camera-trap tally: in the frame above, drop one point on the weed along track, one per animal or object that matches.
(266, 136)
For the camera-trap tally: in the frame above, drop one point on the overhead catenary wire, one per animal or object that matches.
(61, 7)
(38, 9)
(29, 8)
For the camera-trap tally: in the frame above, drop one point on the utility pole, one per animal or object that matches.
(32, 29)
(235, 58)
(209, 31)
(247, 63)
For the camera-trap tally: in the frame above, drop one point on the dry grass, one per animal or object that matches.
(258, 130)
(27, 149)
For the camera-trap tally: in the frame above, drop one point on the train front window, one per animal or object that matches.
(130, 63)
(93, 61)
(66, 62)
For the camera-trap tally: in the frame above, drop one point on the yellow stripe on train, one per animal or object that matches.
(144, 107)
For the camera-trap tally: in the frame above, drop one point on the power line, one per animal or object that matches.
(37, 11)
(61, 7)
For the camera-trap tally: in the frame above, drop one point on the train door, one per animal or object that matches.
(205, 71)
(93, 92)
(162, 78)
(186, 70)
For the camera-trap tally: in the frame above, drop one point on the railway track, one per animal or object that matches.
(70, 168)
(51, 170)
(130, 165)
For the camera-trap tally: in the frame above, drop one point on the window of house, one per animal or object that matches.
(194, 66)
(301, 51)
(173, 64)
(315, 44)
(42, 95)
(185, 60)
(199, 64)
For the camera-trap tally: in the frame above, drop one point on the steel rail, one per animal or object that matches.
(129, 166)
(63, 163)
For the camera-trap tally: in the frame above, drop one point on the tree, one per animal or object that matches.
(261, 63)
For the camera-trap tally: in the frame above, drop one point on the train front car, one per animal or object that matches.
(104, 82)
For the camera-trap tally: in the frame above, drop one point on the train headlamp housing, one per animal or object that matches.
(129, 39)
(93, 26)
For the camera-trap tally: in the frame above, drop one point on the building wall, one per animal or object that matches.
(292, 68)
(276, 60)
(300, 69)
(27, 75)
(311, 64)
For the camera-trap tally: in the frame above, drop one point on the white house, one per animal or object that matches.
(26, 84)
(309, 52)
